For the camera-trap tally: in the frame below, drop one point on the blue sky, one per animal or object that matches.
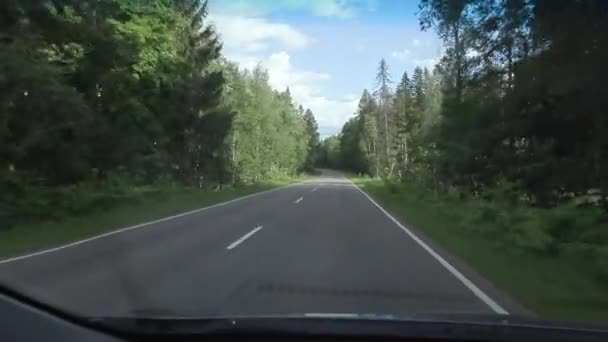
(326, 51)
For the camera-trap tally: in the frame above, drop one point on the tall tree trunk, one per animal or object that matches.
(234, 157)
(510, 65)
(376, 160)
(386, 139)
(406, 154)
(458, 61)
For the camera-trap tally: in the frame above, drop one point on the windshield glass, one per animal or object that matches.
(354, 158)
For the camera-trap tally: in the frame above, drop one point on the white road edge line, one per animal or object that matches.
(121, 230)
(298, 200)
(243, 238)
(469, 284)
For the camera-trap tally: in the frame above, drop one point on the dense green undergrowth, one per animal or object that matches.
(555, 261)
(45, 217)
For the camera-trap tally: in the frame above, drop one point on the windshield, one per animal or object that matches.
(192, 158)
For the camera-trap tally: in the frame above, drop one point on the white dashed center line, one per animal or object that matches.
(298, 200)
(245, 237)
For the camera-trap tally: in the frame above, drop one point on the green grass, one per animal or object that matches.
(32, 236)
(557, 286)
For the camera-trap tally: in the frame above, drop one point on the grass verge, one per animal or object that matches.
(555, 286)
(37, 235)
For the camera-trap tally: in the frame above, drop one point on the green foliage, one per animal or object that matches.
(500, 214)
(91, 89)
(114, 83)
(515, 98)
(507, 112)
(600, 261)
(389, 134)
(331, 153)
(270, 137)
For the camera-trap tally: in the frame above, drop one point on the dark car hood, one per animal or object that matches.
(465, 326)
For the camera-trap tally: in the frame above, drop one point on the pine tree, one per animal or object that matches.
(417, 89)
(312, 135)
(384, 96)
(404, 111)
(367, 114)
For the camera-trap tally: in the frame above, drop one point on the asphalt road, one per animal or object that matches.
(321, 246)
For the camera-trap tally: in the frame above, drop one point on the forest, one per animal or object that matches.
(517, 97)
(97, 97)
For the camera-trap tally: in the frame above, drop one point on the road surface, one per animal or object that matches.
(320, 246)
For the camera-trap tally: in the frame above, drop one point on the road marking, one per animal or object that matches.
(298, 200)
(245, 237)
(315, 189)
(121, 230)
(469, 284)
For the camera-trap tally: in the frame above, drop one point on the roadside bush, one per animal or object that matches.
(579, 250)
(600, 263)
(393, 186)
(598, 234)
(569, 223)
(528, 232)
(505, 193)
(35, 203)
(481, 217)
(501, 215)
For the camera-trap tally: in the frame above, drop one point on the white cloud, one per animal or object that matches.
(306, 89)
(256, 34)
(330, 112)
(421, 43)
(401, 55)
(283, 75)
(245, 61)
